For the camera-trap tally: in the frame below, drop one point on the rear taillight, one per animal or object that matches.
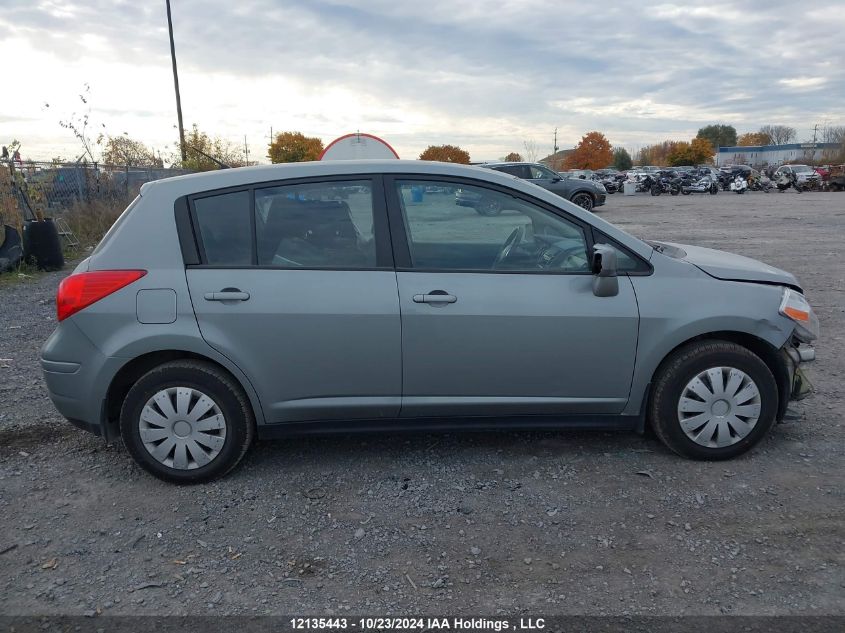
(79, 291)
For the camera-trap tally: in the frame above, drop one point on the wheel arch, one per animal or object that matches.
(130, 372)
(768, 353)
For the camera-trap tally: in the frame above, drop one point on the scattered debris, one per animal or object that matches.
(50, 564)
(413, 584)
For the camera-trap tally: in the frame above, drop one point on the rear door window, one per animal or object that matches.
(316, 225)
(513, 170)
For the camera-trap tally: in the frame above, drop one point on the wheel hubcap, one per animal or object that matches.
(719, 407)
(182, 428)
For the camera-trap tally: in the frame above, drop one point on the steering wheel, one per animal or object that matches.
(563, 256)
(514, 239)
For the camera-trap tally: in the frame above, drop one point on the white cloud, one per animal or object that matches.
(482, 76)
(803, 83)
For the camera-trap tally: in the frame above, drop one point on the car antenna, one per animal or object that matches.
(220, 164)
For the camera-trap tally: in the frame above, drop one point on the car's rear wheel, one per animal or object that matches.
(713, 400)
(583, 200)
(187, 422)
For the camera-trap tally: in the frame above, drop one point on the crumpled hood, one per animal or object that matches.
(732, 267)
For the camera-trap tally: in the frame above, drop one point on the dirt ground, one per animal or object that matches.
(533, 523)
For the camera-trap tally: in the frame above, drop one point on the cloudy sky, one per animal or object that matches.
(483, 74)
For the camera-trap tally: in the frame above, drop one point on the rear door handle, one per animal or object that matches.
(435, 297)
(227, 295)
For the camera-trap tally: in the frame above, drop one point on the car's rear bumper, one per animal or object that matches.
(77, 376)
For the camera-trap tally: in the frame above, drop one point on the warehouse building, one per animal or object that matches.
(762, 155)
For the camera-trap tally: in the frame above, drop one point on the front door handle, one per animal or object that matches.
(435, 296)
(227, 294)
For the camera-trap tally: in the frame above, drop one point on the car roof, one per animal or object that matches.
(222, 178)
(502, 163)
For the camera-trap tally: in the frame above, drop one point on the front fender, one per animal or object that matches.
(675, 310)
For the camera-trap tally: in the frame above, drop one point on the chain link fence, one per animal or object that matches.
(52, 188)
(87, 197)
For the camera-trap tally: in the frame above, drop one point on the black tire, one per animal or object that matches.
(714, 190)
(655, 190)
(675, 191)
(680, 368)
(583, 200)
(685, 192)
(217, 385)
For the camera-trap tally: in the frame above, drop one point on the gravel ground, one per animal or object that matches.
(536, 523)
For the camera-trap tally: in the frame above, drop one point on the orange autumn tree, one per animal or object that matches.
(753, 138)
(445, 154)
(294, 147)
(513, 157)
(697, 151)
(592, 152)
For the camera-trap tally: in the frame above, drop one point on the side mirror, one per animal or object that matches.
(605, 281)
(556, 179)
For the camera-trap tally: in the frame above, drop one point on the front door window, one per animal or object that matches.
(474, 228)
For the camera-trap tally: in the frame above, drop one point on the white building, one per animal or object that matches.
(763, 155)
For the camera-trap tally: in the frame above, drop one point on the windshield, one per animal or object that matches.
(801, 169)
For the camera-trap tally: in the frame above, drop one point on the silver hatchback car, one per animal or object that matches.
(356, 295)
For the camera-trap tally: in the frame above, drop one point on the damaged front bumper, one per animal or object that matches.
(797, 386)
(800, 386)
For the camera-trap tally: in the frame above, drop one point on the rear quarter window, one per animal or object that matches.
(225, 233)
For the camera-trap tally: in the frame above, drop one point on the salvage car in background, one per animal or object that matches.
(355, 295)
(805, 176)
(583, 192)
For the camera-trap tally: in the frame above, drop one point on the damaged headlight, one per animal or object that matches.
(795, 306)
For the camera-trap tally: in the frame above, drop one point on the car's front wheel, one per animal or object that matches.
(187, 421)
(713, 400)
(583, 200)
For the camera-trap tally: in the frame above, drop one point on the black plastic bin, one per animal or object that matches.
(42, 244)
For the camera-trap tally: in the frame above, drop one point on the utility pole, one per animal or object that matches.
(555, 145)
(176, 85)
(246, 151)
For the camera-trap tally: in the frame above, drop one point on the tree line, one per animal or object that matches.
(203, 151)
